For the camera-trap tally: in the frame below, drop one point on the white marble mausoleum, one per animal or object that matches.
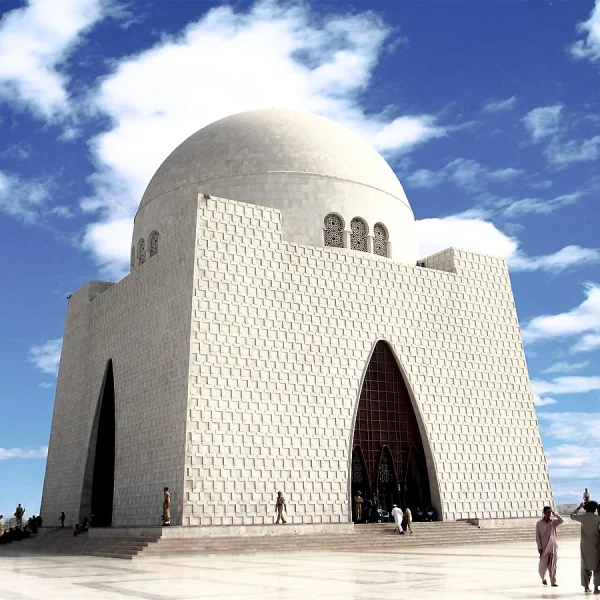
(278, 331)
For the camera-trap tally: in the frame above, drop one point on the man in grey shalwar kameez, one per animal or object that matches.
(590, 544)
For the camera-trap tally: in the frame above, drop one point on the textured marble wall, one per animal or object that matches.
(281, 336)
(142, 324)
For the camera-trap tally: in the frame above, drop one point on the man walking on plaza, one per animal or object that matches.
(590, 539)
(547, 543)
(280, 508)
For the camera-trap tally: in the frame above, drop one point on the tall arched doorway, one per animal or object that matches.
(99, 479)
(387, 433)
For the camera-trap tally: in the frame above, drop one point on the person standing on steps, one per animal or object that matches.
(547, 543)
(590, 544)
(408, 519)
(62, 519)
(166, 507)
(358, 501)
(280, 509)
(19, 512)
(586, 496)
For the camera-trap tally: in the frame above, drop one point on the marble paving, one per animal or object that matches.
(472, 572)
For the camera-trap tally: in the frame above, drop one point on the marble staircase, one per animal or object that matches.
(364, 538)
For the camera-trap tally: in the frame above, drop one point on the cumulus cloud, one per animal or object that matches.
(10, 453)
(272, 55)
(46, 357)
(583, 320)
(543, 121)
(35, 40)
(589, 47)
(572, 461)
(22, 199)
(495, 106)
(472, 232)
(569, 427)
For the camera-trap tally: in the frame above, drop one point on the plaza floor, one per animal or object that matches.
(474, 572)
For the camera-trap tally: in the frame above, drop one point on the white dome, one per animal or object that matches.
(302, 164)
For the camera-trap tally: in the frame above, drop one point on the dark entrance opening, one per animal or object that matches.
(387, 434)
(360, 479)
(103, 476)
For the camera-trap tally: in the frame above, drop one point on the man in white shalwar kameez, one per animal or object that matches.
(590, 544)
(397, 515)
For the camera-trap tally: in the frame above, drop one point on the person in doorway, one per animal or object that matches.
(62, 519)
(397, 515)
(367, 508)
(547, 543)
(590, 544)
(166, 516)
(586, 496)
(358, 502)
(19, 512)
(280, 509)
(408, 520)
(375, 510)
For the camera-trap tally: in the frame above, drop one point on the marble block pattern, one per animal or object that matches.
(238, 359)
(281, 336)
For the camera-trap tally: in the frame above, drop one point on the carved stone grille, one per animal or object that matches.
(380, 240)
(153, 243)
(358, 235)
(334, 231)
(141, 252)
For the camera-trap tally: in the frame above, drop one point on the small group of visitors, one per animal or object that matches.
(547, 543)
(402, 519)
(19, 531)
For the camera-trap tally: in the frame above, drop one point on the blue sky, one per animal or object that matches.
(488, 112)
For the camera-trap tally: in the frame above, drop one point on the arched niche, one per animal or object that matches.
(99, 478)
(387, 422)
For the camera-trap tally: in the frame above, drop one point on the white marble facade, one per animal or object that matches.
(238, 356)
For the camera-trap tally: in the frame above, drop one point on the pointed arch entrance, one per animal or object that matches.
(99, 480)
(387, 434)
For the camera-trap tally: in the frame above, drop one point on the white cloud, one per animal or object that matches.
(10, 453)
(227, 62)
(543, 121)
(34, 43)
(46, 357)
(571, 427)
(581, 320)
(566, 257)
(463, 172)
(23, 200)
(569, 384)
(473, 232)
(562, 152)
(539, 401)
(572, 461)
(587, 343)
(512, 208)
(495, 106)
(566, 367)
(46, 385)
(590, 46)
